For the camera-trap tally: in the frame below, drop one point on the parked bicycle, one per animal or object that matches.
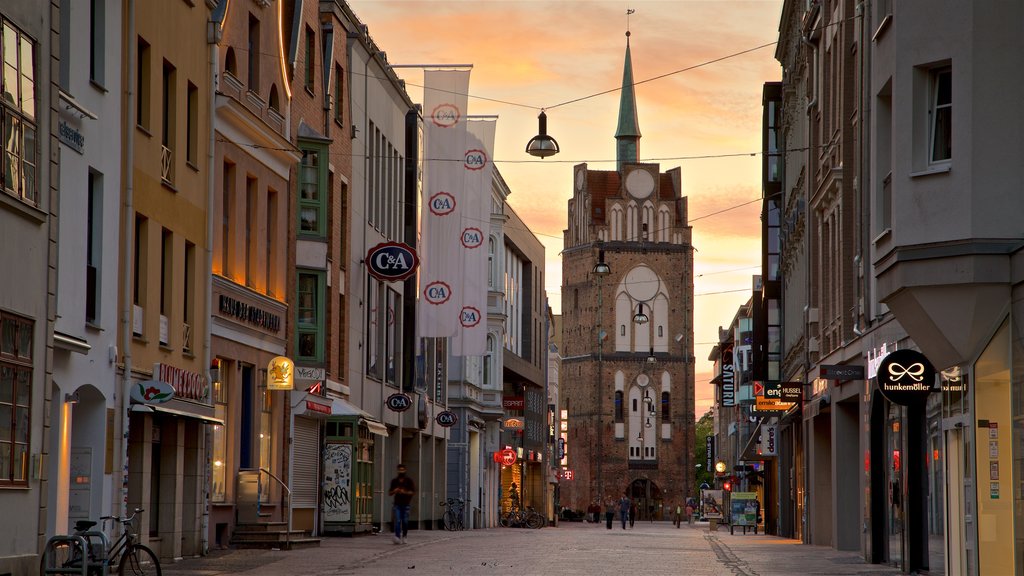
(525, 518)
(87, 552)
(453, 514)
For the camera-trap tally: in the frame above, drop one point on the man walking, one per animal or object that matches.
(624, 505)
(402, 488)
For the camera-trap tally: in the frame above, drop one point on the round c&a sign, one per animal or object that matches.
(399, 402)
(391, 261)
(906, 377)
(447, 419)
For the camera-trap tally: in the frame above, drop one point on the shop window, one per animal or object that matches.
(218, 489)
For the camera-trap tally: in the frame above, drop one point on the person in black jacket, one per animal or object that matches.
(402, 488)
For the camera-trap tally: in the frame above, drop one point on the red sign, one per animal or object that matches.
(506, 457)
(315, 407)
(513, 402)
(567, 474)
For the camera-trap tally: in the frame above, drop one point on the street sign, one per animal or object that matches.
(398, 402)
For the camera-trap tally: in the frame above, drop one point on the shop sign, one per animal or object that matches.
(709, 443)
(281, 374)
(906, 377)
(317, 407)
(391, 261)
(516, 423)
(151, 392)
(506, 457)
(254, 315)
(791, 391)
(513, 402)
(446, 419)
(186, 384)
(398, 402)
(769, 435)
(841, 372)
(567, 474)
(728, 377)
(307, 374)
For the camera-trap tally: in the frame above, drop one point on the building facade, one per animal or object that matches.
(28, 221)
(81, 466)
(627, 308)
(251, 187)
(163, 299)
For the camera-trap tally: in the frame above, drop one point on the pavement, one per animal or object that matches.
(571, 548)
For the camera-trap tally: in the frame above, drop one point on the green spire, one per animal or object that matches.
(627, 134)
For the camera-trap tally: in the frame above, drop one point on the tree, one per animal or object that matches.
(704, 428)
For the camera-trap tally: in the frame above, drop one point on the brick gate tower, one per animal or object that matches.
(627, 330)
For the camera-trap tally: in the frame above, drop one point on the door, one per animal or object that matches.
(959, 517)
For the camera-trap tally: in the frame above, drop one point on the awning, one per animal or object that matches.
(375, 427)
(70, 343)
(313, 405)
(159, 408)
(750, 450)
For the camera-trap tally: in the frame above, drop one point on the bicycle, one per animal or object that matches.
(453, 515)
(87, 551)
(528, 518)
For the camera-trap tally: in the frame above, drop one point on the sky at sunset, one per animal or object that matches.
(701, 110)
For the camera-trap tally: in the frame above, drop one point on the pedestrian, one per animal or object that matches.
(624, 506)
(609, 511)
(632, 514)
(677, 518)
(690, 513)
(402, 488)
(594, 511)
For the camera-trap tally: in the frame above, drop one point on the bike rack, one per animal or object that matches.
(92, 546)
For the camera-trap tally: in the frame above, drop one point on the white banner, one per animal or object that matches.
(444, 133)
(471, 339)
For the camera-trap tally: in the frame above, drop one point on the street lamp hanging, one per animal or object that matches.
(542, 145)
(640, 317)
(602, 268)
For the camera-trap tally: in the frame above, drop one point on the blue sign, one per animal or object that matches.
(391, 261)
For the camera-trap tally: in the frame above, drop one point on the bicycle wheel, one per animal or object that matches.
(535, 520)
(139, 561)
(505, 520)
(449, 521)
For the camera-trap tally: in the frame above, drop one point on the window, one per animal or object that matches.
(192, 137)
(189, 297)
(18, 110)
(97, 29)
(941, 111)
(142, 94)
(15, 397)
(93, 241)
(253, 76)
(372, 325)
(230, 62)
(265, 397)
(391, 340)
(65, 45)
(140, 264)
(618, 406)
(312, 180)
(169, 119)
(666, 407)
(219, 373)
(339, 92)
(249, 229)
(269, 262)
(310, 58)
(166, 282)
(310, 316)
(275, 100)
(226, 210)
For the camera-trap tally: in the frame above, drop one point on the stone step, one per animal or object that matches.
(292, 544)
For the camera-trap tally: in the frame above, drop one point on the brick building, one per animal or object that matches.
(627, 369)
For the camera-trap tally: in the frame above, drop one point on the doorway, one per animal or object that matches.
(648, 499)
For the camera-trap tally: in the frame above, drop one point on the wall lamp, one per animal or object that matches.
(542, 145)
(71, 398)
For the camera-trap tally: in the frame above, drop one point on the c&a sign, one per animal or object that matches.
(391, 261)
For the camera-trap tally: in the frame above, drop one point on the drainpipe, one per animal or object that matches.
(121, 395)
(213, 37)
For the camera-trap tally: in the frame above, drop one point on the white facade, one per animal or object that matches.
(85, 332)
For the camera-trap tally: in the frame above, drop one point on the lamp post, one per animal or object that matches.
(601, 269)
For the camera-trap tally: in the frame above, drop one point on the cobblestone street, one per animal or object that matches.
(647, 549)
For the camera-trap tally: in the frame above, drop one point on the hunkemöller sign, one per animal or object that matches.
(906, 377)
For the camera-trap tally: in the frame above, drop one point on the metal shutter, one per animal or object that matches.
(305, 462)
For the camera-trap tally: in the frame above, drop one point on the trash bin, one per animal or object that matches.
(713, 524)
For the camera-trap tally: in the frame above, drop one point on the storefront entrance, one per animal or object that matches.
(648, 499)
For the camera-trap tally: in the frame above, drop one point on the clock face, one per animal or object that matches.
(639, 184)
(581, 179)
(642, 380)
